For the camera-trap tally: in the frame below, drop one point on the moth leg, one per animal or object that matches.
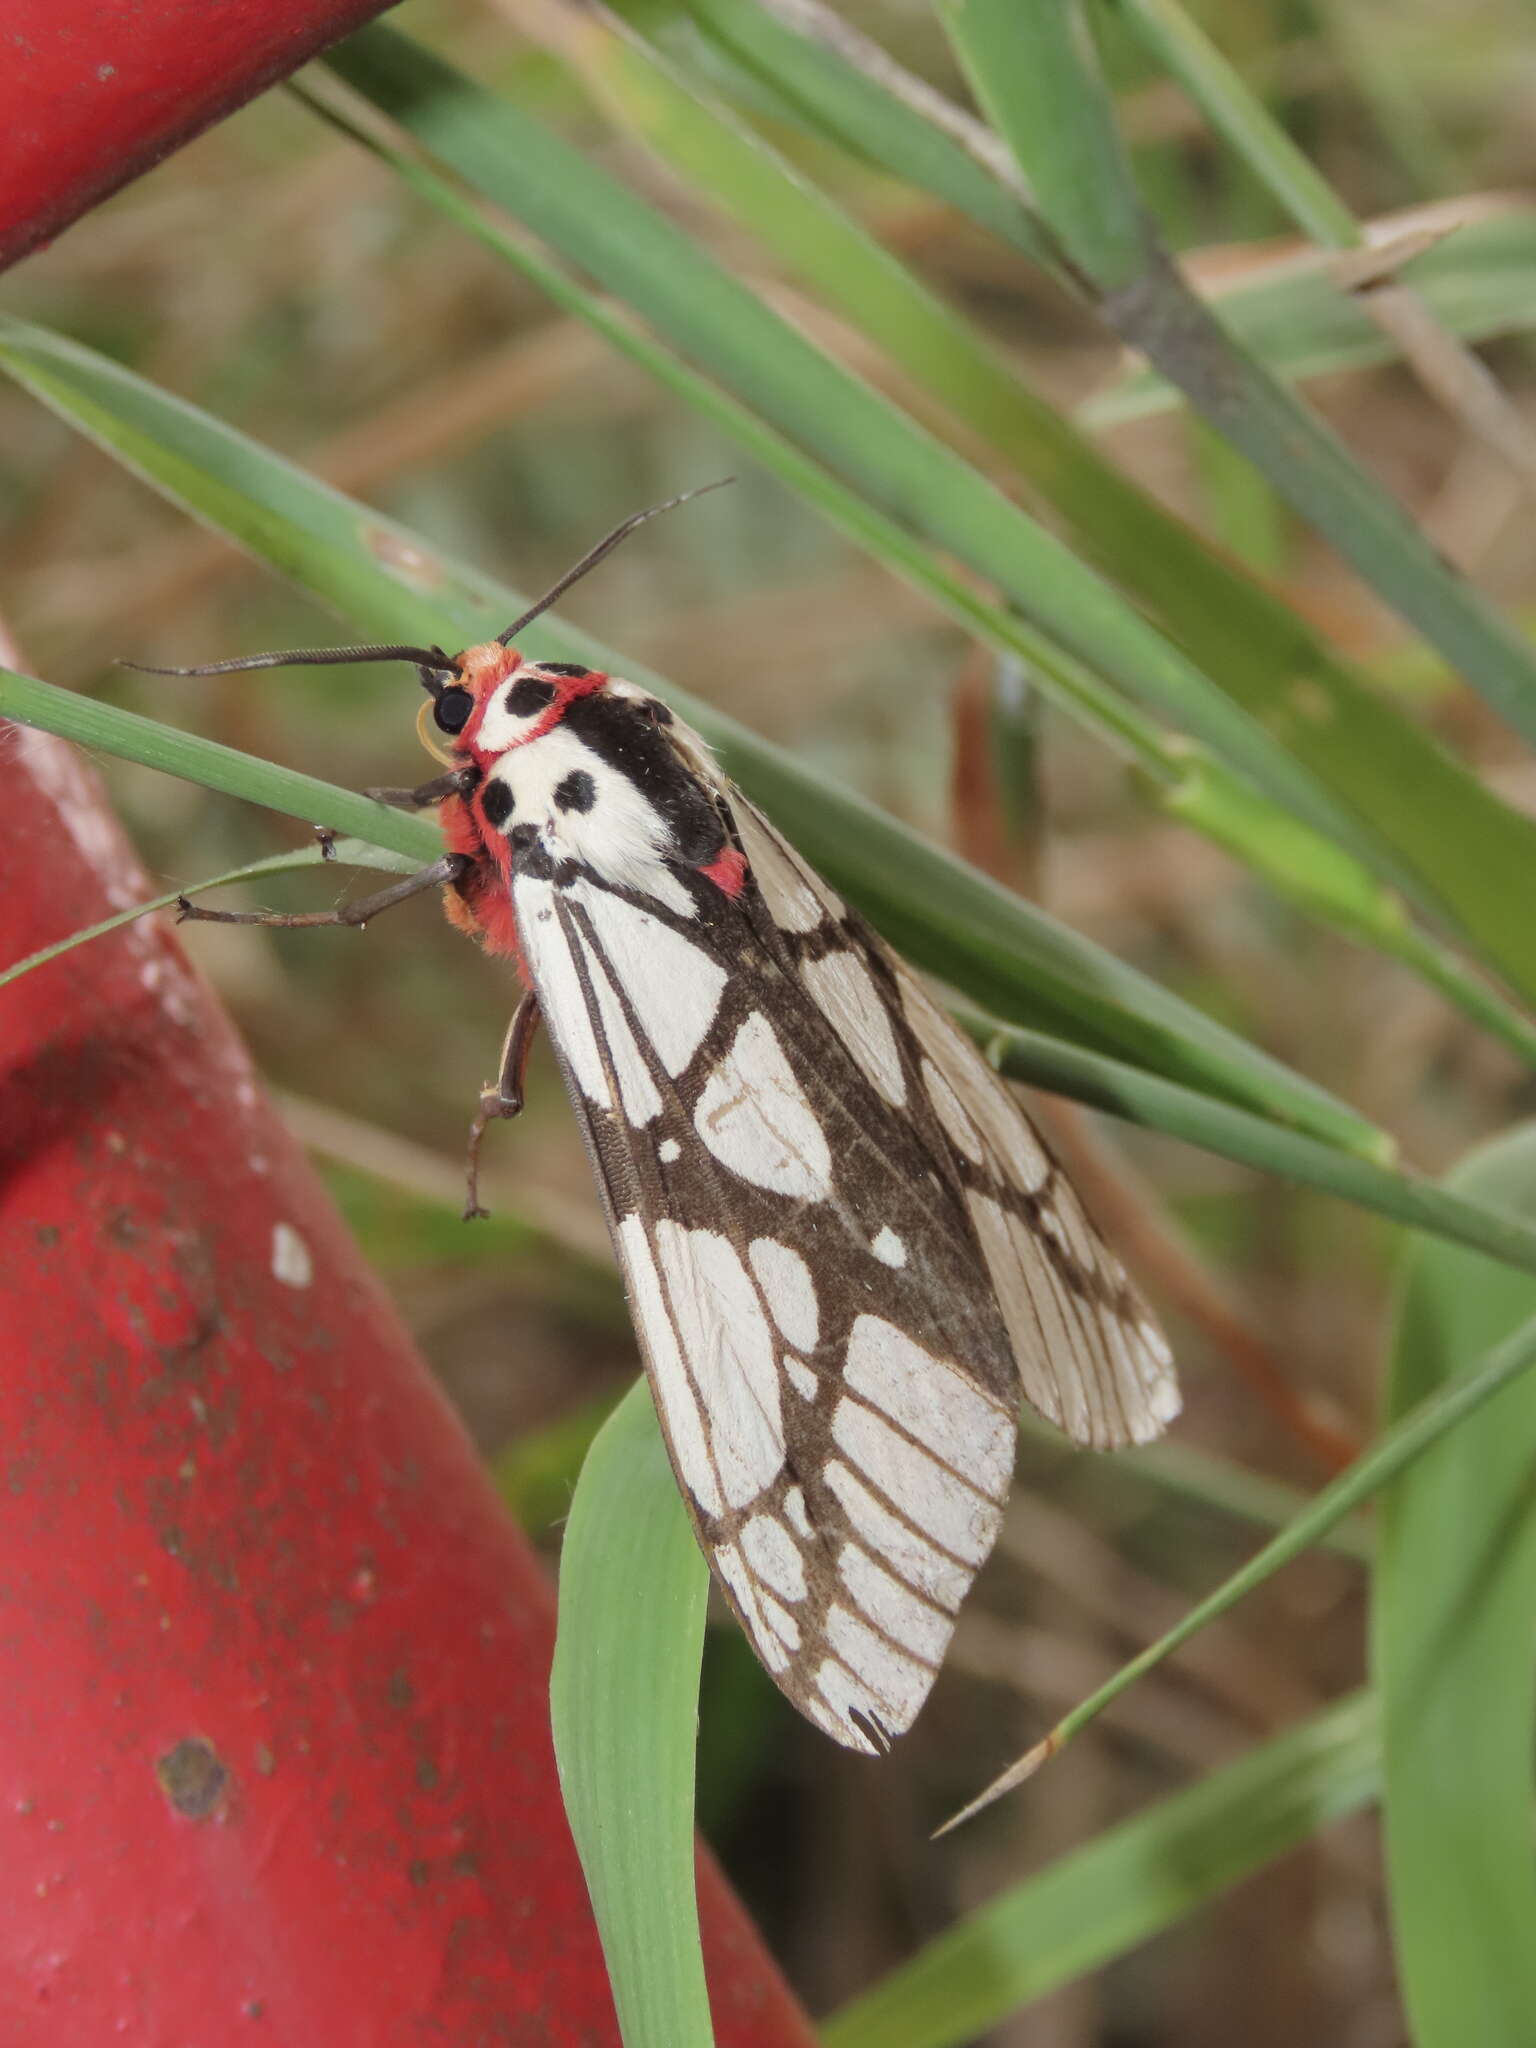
(505, 1098)
(445, 870)
(455, 783)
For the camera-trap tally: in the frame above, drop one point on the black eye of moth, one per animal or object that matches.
(452, 709)
(496, 804)
(529, 695)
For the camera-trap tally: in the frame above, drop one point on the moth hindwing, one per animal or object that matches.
(847, 1250)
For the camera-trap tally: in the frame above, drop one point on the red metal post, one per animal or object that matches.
(92, 92)
(274, 1745)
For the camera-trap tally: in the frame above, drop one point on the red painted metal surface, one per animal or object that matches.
(274, 1749)
(92, 92)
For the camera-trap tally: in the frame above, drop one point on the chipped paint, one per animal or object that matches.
(291, 1260)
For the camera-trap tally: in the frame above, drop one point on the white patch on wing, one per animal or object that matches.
(561, 996)
(786, 1280)
(893, 1608)
(792, 904)
(732, 1567)
(673, 986)
(951, 1512)
(977, 1111)
(844, 990)
(847, 1693)
(902, 1548)
(945, 1411)
(774, 1555)
(730, 1355)
(898, 1682)
(888, 1248)
(637, 1091)
(668, 1150)
(794, 1510)
(753, 1115)
(619, 833)
(780, 1620)
(802, 1379)
(669, 1377)
(958, 1128)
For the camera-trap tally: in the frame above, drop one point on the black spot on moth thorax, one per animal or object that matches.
(626, 734)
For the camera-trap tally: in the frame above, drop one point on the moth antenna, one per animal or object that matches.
(306, 657)
(605, 546)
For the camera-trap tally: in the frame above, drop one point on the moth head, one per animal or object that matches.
(495, 700)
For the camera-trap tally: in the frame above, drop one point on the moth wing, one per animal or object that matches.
(1090, 1355)
(832, 1376)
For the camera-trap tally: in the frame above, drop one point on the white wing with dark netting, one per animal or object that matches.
(847, 1251)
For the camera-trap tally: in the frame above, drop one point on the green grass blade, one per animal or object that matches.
(132, 738)
(945, 916)
(1248, 126)
(346, 853)
(1143, 1098)
(1130, 1883)
(1033, 69)
(1430, 1422)
(809, 84)
(1479, 283)
(624, 1701)
(1455, 1588)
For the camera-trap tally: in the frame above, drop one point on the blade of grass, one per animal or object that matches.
(833, 85)
(1455, 1585)
(132, 738)
(624, 1702)
(1034, 71)
(1141, 1098)
(1428, 1423)
(1122, 1888)
(822, 75)
(1451, 374)
(943, 915)
(345, 852)
(1479, 282)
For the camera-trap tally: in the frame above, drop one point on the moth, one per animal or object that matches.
(848, 1252)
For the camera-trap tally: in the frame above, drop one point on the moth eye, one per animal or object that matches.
(451, 712)
(529, 695)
